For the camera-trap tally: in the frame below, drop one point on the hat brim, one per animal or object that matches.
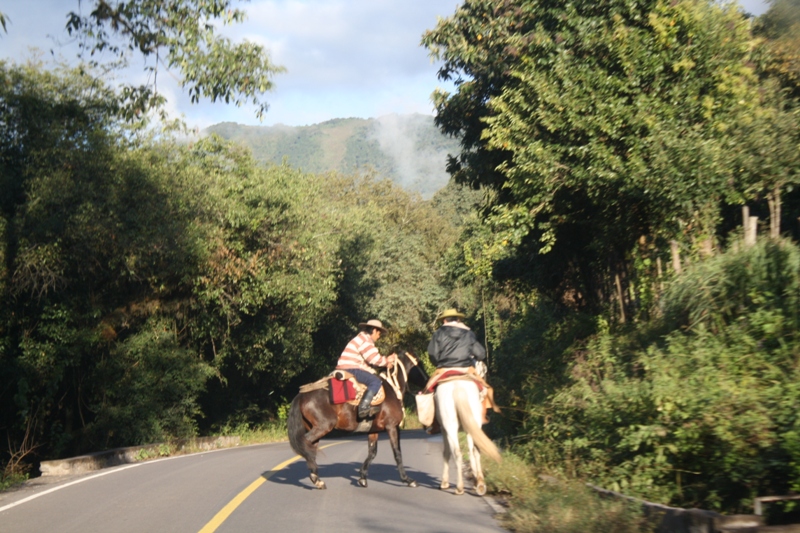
(453, 315)
(365, 325)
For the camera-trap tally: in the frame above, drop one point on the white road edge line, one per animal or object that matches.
(48, 491)
(113, 470)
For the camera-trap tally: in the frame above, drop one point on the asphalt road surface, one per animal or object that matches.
(254, 488)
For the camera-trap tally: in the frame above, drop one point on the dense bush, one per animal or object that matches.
(705, 415)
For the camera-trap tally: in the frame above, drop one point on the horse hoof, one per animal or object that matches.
(481, 489)
(444, 485)
(412, 483)
(362, 482)
(320, 484)
(460, 491)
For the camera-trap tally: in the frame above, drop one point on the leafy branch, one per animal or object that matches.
(181, 35)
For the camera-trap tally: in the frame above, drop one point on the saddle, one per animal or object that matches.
(442, 375)
(344, 388)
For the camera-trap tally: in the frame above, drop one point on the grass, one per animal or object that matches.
(411, 421)
(538, 503)
(8, 480)
(266, 433)
(263, 434)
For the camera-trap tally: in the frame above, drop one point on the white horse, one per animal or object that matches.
(458, 403)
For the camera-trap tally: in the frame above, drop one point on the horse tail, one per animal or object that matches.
(471, 426)
(297, 430)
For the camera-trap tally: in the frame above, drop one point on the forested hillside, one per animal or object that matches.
(408, 149)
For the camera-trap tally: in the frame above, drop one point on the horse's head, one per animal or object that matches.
(414, 370)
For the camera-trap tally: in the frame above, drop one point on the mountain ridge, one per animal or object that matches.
(408, 149)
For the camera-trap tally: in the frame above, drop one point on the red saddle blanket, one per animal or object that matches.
(448, 374)
(342, 391)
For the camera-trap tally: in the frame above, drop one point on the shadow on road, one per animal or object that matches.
(297, 474)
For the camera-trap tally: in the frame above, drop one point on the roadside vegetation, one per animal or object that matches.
(641, 337)
(616, 162)
(539, 502)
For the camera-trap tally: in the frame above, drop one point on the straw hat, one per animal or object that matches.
(373, 324)
(450, 313)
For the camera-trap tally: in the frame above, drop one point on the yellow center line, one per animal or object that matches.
(226, 511)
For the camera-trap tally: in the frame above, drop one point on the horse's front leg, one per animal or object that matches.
(475, 466)
(394, 439)
(371, 453)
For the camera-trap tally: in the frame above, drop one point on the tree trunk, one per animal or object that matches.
(774, 201)
(707, 247)
(620, 298)
(676, 256)
(745, 221)
(752, 232)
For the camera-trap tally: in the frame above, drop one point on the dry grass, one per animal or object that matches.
(261, 435)
(411, 421)
(538, 503)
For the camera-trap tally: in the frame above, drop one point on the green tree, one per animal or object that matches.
(267, 279)
(389, 246)
(599, 124)
(92, 248)
(132, 269)
(181, 36)
(774, 160)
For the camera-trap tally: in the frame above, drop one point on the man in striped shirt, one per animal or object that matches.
(358, 358)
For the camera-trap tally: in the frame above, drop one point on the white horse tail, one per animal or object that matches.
(471, 426)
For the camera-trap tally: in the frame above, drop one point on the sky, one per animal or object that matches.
(343, 58)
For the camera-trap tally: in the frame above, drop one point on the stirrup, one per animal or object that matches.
(371, 411)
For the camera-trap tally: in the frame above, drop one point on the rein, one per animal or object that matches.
(391, 375)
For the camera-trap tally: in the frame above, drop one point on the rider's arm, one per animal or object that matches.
(477, 350)
(433, 351)
(372, 356)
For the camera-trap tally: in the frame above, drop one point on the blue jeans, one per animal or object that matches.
(369, 379)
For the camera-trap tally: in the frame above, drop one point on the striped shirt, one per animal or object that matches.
(360, 353)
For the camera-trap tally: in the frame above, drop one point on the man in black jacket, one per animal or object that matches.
(454, 345)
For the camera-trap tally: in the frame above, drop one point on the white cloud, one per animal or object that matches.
(346, 43)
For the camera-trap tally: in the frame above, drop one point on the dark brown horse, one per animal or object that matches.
(312, 416)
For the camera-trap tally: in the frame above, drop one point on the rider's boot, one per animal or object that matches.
(364, 409)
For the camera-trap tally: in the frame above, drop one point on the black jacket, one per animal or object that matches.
(455, 346)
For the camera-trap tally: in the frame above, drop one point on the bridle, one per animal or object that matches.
(391, 375)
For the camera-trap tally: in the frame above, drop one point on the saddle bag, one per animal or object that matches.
(426, 409)
(342, 391)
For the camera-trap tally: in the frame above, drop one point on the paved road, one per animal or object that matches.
(253, 488)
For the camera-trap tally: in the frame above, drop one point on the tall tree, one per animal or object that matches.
(780, 27)
(179, 35)
(600, 123)
(91, 247)
(779, 64)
